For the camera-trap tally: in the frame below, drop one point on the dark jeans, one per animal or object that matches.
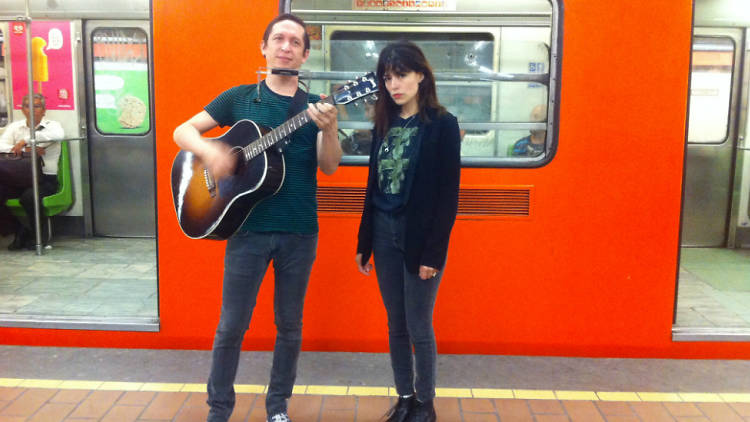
(409, 302)
(245, 262)
(47, 186)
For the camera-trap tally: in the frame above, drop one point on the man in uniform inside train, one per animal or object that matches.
(532, 145)
(15, 174)
(282, 228)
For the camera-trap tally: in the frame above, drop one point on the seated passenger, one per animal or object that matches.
(532, 145)
(359, 142)
(18, 183)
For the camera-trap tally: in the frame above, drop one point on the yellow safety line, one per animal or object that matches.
(338, 390)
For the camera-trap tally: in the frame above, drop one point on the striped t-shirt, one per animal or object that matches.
(294, 207)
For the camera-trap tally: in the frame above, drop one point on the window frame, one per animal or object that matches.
(459, 19)
(149, 109)
(730, 99)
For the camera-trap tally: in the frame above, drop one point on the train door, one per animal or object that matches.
(714, 273)
(739, 229)
(121, 139)
(712, 136)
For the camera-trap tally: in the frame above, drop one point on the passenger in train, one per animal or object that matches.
(15, 180)
(532, 145)
(282, 228)
(358, 143)
(410, 207)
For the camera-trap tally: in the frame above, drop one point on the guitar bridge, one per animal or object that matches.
(210, 185)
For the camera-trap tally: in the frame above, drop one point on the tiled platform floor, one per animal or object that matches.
(714, 288)
(91, 277)
(46, 405)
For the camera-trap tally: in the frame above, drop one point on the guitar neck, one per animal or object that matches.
(278, 134)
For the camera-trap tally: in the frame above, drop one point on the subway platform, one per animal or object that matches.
(88, 384)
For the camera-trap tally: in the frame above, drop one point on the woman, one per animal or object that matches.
(410, 207)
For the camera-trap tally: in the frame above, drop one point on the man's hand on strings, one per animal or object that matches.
(219, 160)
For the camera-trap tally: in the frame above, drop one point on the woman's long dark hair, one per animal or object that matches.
(403, 57)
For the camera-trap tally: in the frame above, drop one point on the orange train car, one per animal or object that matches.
(573, 250)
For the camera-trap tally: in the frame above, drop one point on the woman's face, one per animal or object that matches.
(404, 88)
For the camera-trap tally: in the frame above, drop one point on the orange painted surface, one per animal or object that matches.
(592, 273)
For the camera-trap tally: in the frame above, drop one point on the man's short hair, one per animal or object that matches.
(287, 17)
(37, 96)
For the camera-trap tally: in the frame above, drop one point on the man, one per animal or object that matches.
(14, 142)
(532, 145)
(282, 228)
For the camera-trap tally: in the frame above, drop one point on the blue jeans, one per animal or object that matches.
(245, 262)
(409, 302)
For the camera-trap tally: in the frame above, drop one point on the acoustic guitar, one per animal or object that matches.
(215, 209)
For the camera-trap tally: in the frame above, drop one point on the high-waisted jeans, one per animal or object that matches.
(245, 262)
(409, 302)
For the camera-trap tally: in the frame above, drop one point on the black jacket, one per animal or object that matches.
(433, 198)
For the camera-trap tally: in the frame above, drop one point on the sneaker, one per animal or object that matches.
(400, 411)
(423, 412)
(279, 417)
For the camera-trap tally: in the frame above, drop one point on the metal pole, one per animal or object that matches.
(32, 132)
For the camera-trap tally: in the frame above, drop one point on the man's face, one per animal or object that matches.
(38, 111)
(286, 46)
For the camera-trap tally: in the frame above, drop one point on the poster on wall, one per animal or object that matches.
(51, 67)
(121, 83)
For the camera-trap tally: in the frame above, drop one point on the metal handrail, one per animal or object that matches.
(488, 76)
(363, 125)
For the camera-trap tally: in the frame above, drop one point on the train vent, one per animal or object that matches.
(496, 202)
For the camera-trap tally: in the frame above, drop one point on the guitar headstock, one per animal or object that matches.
(361, 87)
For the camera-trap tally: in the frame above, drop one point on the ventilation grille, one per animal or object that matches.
(339, 199)
(494, 202)
(500, 202)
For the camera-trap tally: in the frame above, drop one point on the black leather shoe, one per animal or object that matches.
(19, 241)
(16, 244)
(401, 410)
(423, 412)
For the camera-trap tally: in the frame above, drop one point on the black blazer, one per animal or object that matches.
(433, 199)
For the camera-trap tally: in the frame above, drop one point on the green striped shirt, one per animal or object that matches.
(294, 207)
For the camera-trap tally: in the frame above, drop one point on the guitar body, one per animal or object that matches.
(215, 210)
(206, 209)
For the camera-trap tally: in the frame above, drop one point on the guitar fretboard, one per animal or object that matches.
(278, 134)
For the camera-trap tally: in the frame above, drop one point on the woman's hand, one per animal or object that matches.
(364, 269)
(426, 272)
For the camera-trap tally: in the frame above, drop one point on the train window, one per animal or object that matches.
(4, 102)
(121, 81)
(494, 71)
(710, 89)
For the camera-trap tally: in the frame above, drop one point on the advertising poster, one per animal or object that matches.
(121, 83)
(52, 63)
